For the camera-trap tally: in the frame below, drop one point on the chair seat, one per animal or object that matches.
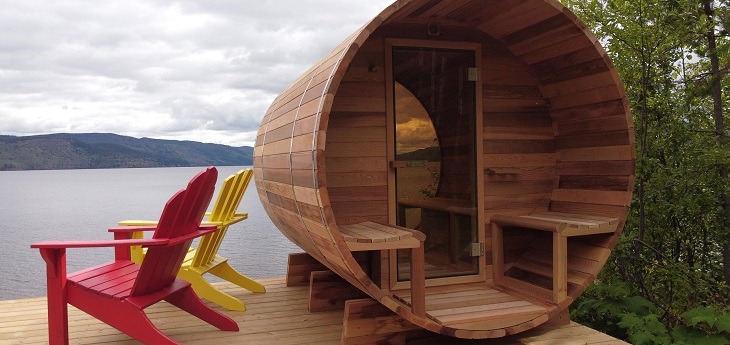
(112, 280)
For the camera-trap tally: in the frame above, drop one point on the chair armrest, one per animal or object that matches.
(137, 222)
(235, 219)
(128, 229)
(98, 244)
(202, 231)
(208, 223)
(208, 214)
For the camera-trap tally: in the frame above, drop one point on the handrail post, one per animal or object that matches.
(418, 281)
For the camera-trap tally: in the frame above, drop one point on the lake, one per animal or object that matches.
(44, 205)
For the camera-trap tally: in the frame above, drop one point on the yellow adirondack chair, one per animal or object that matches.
(205, 259)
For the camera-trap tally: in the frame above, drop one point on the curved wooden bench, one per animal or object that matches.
(378, 236)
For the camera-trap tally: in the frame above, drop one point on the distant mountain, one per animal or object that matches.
(105, 150)
(431, 154)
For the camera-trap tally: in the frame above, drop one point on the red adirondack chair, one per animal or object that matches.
(117, 292)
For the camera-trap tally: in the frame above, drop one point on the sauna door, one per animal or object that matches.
(434, 158)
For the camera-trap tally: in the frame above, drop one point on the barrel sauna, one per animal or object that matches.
(478, 155)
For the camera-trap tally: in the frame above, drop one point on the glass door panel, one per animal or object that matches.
(435, 120)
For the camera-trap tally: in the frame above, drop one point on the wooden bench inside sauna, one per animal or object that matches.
(465, 164)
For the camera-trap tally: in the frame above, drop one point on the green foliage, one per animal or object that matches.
(667, 281)
(708, 321)
(611, 308)
(644, 329)
(671, 252)
(690, 336)
(430, 190)
(615, 310)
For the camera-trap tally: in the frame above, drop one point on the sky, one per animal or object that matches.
(183, 70)
(413, 128)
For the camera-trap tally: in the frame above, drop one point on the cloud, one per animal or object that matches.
(413, 129)
(188, 70)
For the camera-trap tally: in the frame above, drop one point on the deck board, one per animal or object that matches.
(278, 316)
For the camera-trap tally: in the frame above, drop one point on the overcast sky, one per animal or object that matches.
(203, 70)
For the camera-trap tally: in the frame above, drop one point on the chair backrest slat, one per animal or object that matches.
(224, 210)
(181, 216)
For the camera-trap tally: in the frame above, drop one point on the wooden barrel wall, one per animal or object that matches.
(557, 134)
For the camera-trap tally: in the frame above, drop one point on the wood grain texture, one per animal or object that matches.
(328, 291)
(557, 136)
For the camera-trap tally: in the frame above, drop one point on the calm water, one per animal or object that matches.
(82, 204)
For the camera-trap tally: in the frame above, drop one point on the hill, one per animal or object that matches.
(105, 150)
(431, 154)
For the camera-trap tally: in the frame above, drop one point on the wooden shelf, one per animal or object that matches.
(562, 226)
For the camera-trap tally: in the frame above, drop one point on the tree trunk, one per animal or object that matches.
(717, 113)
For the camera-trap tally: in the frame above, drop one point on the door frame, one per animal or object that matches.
(390, 139)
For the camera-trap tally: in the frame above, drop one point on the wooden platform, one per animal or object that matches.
(279, 316)
(476, 306)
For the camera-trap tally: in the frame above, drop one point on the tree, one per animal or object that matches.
(673, 57)
(716, 77)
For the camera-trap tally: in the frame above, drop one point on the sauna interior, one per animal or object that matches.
(498, 130)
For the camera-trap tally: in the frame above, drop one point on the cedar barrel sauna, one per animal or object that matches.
(468, 164)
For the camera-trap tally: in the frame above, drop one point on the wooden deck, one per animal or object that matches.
(278, 316)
